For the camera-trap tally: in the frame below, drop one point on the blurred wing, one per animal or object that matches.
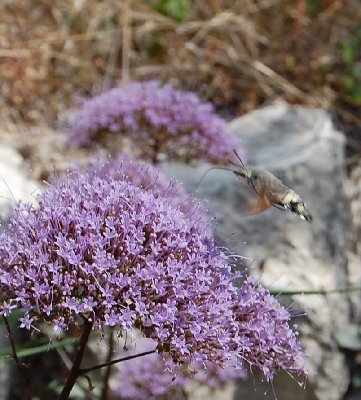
(250, 201)
(259, 204)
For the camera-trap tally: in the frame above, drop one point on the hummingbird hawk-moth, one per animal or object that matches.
(271, 192)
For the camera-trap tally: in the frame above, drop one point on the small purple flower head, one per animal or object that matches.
(126, 257)
(160, 121)
(148, 377)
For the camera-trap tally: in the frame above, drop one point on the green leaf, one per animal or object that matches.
(356, 377)
(313, 7)
(356, 93)
(31, 349)
(348, 52)
(175, 9)
(154, 47)
(14, 316)
(349, 82)
(358, 35)
(178, 9)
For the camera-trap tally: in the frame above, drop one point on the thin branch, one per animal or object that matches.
(15, 53)
(76, 371)
(16, 359)
(90, 385)
(112, 61)
(286, 85)
(118, 360)
(105, 388)
(316, 291)
(75, 37)
(126, 22)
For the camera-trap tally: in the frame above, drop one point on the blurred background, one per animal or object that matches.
(238, 54)
(286, 74)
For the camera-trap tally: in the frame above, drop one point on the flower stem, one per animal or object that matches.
(118, 360)
(16, 359)
(281, 292)
(105, 388)
(76, 371)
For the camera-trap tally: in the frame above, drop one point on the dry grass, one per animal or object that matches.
(236, 53)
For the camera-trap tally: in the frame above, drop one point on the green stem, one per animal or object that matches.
(316, 291)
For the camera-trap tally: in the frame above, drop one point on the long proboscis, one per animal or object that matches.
(206, 173)
(222, 168)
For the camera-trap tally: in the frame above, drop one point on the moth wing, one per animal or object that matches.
(250, 200)
(261, 203)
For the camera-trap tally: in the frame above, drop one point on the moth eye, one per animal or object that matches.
(294, 206)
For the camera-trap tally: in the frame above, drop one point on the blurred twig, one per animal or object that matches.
(126, 22)
(315, 292)
(118, 360)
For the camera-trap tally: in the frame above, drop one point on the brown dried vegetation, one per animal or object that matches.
(236, 53)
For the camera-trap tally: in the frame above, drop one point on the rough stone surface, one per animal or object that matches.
(202, 392)
(14, 181)
(353, 190)
(301, 147)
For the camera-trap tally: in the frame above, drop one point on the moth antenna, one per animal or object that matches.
(239, 158)
(234, 164)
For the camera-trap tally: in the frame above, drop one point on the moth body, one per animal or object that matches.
(271, 191)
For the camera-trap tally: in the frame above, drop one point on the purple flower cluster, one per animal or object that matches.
(148, 177)
(148, 378)
(268, 343)
(160, 121)
(123, 256)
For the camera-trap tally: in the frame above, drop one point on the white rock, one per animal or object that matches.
(15, 184)
(301, 147)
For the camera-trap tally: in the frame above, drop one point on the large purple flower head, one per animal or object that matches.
(107, 248)
(122, 256)
(160, 121)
